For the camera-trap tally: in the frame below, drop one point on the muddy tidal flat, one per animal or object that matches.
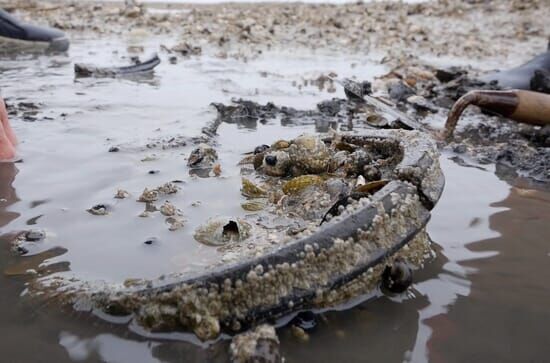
(91, 146)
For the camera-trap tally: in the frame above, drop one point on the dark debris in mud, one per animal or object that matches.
(336, 113)
(517, 150)
(24, 110)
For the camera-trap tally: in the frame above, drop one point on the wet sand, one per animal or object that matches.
(482, 299)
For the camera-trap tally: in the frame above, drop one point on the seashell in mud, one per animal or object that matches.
(251, 190)
(34, 235)
(168, 209)
(99, 210)
(254, 205)
(299, 183)
(248, 159)
(309, 155)
(121, 194)
(278, 145)
(222, 230)
(376, 120)
(168, 188)
(371, 187)
(148, 196)
(174, 223)
(258, 345)
(203, 156)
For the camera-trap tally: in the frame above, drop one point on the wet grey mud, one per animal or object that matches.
(481, 298)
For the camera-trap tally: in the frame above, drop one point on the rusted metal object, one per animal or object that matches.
(518, 105)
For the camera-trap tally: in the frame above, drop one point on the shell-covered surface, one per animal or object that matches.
(317, 231)
(312, 239)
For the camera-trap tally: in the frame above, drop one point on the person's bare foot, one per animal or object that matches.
(6, 123)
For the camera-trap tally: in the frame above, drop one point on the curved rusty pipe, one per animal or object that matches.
(522, 106)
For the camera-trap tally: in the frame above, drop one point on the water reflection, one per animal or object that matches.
(505, 316)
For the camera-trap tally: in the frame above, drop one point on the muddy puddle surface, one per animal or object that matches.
(484, 298)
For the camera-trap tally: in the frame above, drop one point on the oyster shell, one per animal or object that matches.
(121, 194)
(168, 209)
(251, 190)
(148, 196)
(204, 156)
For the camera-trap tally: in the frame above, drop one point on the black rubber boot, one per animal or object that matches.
(18, 35)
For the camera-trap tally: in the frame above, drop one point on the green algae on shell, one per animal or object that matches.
(254, 205)
(299, 183)
(251, 190)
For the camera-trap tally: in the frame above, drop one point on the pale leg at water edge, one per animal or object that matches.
(7, 136)
(6, 124)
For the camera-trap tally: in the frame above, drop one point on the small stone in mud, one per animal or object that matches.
(98, 210)
(150, 241)
(148, 196)
(449, 74)
(399, 91)
(186, 49)
(21, 250)
(35, 235)
(121, 194)
(149, 158)
(299, 333)
(168, 209)
(217, 169)
(460, 148)
(421, 104)
(173, 60)
(114, 149)
(254, 346)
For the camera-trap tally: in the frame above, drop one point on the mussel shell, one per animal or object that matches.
(371, 187)
(376, 120)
